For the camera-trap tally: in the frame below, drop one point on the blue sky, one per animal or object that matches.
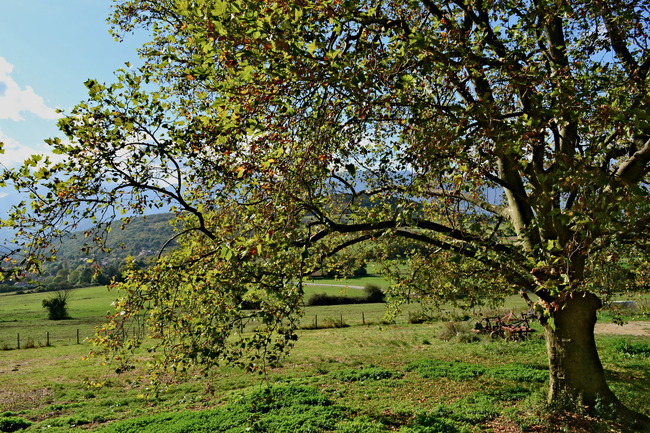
(48, 48)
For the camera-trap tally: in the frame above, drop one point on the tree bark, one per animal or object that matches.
(577, 377)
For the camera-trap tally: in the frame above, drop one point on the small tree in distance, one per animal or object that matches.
(509, 138)
(57, 306)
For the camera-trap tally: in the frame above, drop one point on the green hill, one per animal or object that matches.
(142, 239)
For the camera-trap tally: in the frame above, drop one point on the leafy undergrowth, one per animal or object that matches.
(633, 349)
(11, 423)
(465, 371)
(370, 373)
(505, 393)
(304, 409)
(279, 409)
(361, 379)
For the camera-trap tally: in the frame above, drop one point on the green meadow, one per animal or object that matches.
(368, 374)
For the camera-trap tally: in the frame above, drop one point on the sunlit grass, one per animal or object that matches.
(53, 386)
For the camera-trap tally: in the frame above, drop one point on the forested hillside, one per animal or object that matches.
(137, 243)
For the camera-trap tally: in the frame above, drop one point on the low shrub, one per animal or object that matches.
(372, 295)
(435, 423)
(371, 373)
(13, 423)
(57, 306)
(278, 409)
(361, 425)
(459, 331)
(418, 318)
(458, 417)
(30, 344)
(320, 299)
(633, 349)
(510, 393)
(473, 409)
(460, 371)
(519, 373)
(272, 398)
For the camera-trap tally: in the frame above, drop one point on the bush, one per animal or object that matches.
(319, 299)
(510, 393)
(372, 295)
(460, 331)
(11, 424)
(57, 306)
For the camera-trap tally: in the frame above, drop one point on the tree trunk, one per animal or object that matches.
(577, 377)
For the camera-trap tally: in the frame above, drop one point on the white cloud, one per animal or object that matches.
(14, 100)
(15, 153)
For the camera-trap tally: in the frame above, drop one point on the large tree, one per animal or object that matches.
(509, 136)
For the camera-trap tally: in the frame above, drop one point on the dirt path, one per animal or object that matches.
(630, 328)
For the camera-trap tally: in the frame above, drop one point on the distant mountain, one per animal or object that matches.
(8, 198)
(143, 237)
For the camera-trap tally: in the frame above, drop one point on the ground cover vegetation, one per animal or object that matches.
(379, 377)
(501, 147)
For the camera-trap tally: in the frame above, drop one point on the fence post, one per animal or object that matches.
(363, 318)
(47, 338)
(77, 335)
(18, 340)
(341, 320)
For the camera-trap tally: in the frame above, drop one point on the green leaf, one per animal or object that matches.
(247, 72)
(351, 168)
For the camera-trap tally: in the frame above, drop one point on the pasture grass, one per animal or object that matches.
(387, 375)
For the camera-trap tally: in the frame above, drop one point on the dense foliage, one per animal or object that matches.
(510, 138)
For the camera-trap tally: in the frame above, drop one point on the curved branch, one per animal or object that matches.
(469, 240)
(634, 168)
(476, 201)
(184, 232)
(616, 39)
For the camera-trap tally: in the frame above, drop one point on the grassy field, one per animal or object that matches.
(373, 378)
(23, 315)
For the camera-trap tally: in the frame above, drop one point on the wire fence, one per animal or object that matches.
(17, 335)
(27, 339)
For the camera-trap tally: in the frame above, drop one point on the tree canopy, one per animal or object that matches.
(510, 137)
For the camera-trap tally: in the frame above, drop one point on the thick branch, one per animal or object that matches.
(469, 241)
(476, 201)
(635, 168)
(617, 40)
